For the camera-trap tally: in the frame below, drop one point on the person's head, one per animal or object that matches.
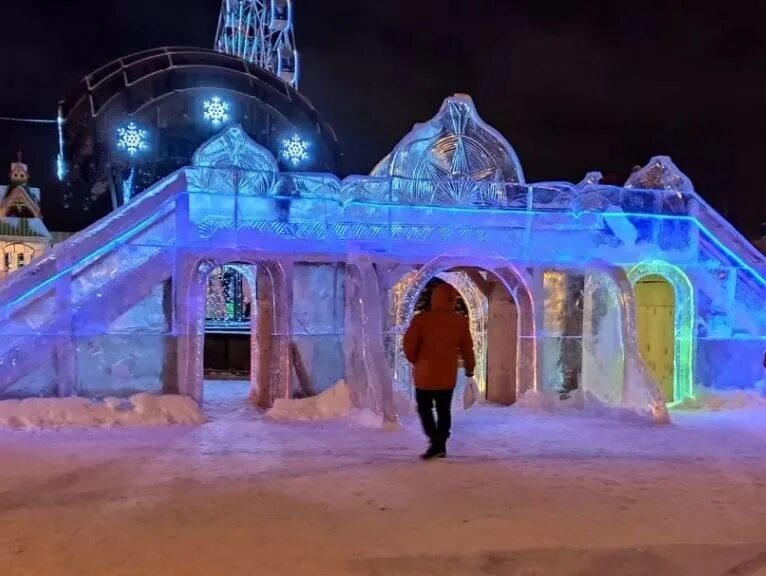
(443, 297)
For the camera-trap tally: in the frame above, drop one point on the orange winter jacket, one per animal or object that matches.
(434, 340)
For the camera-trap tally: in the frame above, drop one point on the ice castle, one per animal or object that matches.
(638, 296)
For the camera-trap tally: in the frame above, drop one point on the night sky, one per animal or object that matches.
(574, 86)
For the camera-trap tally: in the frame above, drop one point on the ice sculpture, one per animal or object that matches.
(119, 307)
(590, 179)
(454, 158)
(233, 163)
(660, 174)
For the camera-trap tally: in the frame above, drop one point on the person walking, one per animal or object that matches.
(432, 344)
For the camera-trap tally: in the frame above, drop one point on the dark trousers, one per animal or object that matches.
(437, 430)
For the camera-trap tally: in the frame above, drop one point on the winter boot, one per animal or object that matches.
(436, 450)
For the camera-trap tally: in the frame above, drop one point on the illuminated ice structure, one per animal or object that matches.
(549, 272)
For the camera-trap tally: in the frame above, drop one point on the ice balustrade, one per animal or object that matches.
(67, 290)
(83, 284)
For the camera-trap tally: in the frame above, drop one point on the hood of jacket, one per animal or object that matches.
(443, 298)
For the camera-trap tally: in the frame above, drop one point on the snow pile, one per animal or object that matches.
(583, 403)
(707, 399)
(332, 404)
(139, 410)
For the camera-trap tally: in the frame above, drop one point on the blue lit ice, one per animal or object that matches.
(119, 308)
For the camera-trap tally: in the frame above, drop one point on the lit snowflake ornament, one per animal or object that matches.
(216, 111)
(131, 138)
(295, 150)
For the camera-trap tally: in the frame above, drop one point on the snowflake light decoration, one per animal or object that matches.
(295, 150)
(216, 111)
(131, 138)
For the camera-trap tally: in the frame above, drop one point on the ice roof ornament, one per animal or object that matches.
(233, 148)
(591, 179)
(454, 158)
(660, 174)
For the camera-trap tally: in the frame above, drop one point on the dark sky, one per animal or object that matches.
(574, 86)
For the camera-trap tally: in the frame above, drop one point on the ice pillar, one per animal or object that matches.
(367, 371)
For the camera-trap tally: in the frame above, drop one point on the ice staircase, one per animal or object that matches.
(736, 290)
(83, 284)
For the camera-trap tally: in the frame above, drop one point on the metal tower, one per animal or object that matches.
(261, 32)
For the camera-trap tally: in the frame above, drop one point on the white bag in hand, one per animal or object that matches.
(470, 393)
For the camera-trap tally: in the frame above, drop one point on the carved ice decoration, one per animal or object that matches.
(453, 159)
(232, 163)
(662, 174)
(591, 179)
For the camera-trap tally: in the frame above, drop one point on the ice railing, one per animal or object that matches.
(87, 261)
(556, 196)
(226, 194)
(467, 193)
(475, 194)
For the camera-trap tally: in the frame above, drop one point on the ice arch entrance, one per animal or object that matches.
(650, 280)
(268, 319)
(479, 286)
(476, 306)
(230, 292)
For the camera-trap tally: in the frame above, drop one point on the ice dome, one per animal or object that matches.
(454, 158)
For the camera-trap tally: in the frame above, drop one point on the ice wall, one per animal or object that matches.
(317, 324)
(130, 357)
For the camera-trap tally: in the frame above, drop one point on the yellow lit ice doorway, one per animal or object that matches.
(655, 321)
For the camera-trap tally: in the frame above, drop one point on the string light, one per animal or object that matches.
(60, 166)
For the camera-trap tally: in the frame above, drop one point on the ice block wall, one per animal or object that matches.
(317, 324)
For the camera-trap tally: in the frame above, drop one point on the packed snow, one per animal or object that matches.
(139, 410)
(333, 403)
(707, 399)
(580, 403)
(522, 492)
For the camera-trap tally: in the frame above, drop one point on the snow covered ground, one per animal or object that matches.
(138, 410)
(522, 493)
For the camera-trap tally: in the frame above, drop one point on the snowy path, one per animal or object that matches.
(523, 493)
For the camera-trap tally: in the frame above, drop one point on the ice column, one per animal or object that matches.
(367, 371)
